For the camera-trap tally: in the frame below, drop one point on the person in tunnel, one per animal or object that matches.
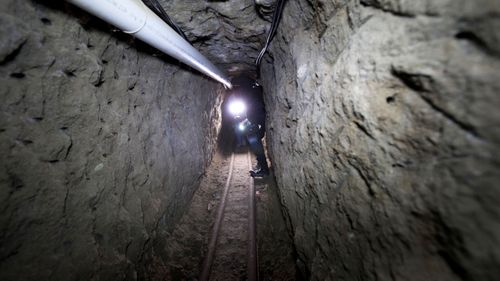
(237, 108)
(246, 104)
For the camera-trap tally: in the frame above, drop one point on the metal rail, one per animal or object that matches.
(252, 263)
(207, 262)
(252, 266)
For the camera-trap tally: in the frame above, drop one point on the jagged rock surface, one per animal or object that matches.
(228, 31)
(101, 144)
(383, 127)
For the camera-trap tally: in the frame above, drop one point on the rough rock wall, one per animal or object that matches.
(385, 139)
(101, 144)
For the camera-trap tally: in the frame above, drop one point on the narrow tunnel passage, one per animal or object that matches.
(186, 247)
(382, 130)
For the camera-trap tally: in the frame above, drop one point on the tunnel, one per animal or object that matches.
(382, 135)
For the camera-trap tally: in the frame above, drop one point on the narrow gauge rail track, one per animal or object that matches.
(237, 184)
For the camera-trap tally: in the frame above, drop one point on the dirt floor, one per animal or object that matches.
(187, 243)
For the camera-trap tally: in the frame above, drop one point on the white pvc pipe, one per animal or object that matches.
(133, 17)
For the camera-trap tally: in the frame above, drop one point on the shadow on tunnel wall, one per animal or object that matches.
(96, 145)
(225, 140)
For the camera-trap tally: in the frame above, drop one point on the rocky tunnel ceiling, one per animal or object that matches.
(231, 33)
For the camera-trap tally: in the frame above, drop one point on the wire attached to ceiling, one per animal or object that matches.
(158, 10)
(274, 26)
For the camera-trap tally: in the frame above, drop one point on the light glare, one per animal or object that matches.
(237, 107)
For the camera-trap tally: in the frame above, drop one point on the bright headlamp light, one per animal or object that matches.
(237, 107)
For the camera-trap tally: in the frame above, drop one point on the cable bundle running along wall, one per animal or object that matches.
(274, 26)
(158, 10)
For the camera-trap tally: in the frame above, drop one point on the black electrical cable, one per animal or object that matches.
(158, 9)
(274, 26)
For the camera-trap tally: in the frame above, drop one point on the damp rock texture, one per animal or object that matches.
(102, 144)
(383, 126)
